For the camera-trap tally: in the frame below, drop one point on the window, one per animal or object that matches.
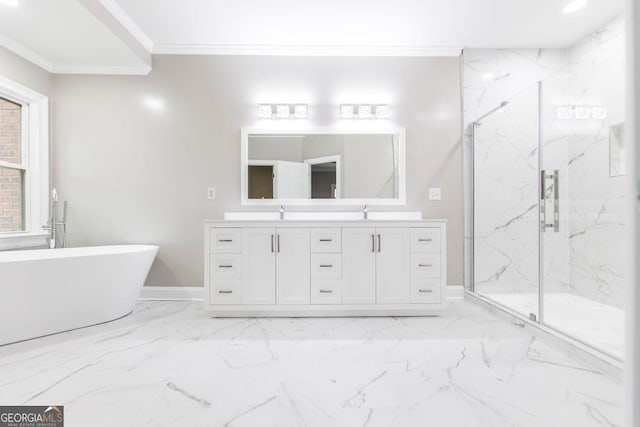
(24, 165)
(12, 168)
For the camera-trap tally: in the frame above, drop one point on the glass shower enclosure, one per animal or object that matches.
(548, 209)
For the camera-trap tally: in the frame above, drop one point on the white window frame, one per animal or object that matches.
(35, 163)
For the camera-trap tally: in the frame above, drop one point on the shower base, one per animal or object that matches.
(596, 324)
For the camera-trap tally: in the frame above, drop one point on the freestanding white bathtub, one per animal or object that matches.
(45, 291)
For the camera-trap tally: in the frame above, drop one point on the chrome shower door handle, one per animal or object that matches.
(556, 200)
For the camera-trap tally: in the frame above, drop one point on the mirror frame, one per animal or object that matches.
(244, 163)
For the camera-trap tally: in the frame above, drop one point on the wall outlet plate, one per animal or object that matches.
(435, 194)
(211, 193)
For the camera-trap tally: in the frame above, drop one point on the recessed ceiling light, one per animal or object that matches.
(574, 6)
(12, 3)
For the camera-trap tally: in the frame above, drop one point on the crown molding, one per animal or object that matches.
(125, 20)
(284, 50)
(102, 69)
(26, 53)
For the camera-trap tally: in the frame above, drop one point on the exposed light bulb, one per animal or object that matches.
(283, 111)
(265, 111)
(382, 111)
(364, 111)
(300, 111)
(346, 111)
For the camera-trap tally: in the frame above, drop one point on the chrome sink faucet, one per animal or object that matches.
(365, 211)
(281, 212)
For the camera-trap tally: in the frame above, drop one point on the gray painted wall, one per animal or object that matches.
(132, 174)
(24, 72)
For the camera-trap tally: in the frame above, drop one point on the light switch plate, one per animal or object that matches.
(435, 194)
(211, 193)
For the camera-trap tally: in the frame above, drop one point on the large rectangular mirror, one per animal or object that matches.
(323, 167)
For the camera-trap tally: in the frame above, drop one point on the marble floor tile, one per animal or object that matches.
(170, 364)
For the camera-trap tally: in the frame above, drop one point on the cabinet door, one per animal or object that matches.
(392, 265)
(259, 266)
(358, 266)
(293, 266)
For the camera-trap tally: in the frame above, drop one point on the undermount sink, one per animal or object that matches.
(323, 216)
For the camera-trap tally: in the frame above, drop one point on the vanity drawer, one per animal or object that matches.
(425, 266)
(327, 291)
(426, 291)
(227, 240)
(326, 266)
(425, 240)
(225, 292)
(326, 240)
(226, 266)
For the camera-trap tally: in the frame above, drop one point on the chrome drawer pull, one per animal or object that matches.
(222, 291)
(225, 266)
(425, 265)
(225, 240)
(326, 265)
(326, 240)
(425, 291)
(326, 291)
(425, 240)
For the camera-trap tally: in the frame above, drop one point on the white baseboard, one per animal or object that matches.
(171, 293)
(454, 292)
(195, 293)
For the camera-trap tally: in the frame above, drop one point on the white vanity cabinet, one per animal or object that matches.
(295, 268)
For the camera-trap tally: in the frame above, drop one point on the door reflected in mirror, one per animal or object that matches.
(323, 166)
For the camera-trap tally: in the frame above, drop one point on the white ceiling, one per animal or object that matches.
(171, 24)
(65, 36)
(103, 35)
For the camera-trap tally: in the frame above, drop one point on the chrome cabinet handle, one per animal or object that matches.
(379, 244)
(425, 240)
(326, 240)
(326, 291)
(272, 243)
(225, 266)
(425, 291)
(278, 242)
(225, 240)
(224, 291)
(373, 243)
(326, 265)
(425, 265)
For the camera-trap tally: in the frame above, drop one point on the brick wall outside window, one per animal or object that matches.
(11, 180)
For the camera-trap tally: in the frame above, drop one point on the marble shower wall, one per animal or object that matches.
(596, 203)
(583, 258)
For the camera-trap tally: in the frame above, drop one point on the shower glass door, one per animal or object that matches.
(506, 178)
(582, 206)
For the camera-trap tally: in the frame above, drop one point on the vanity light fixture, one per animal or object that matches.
(364, 111)
(265, 111)
(282, 111)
